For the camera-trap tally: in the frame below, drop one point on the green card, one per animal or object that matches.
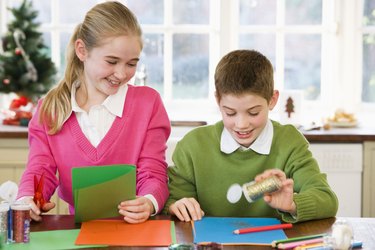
(98, 190)
(50, 240)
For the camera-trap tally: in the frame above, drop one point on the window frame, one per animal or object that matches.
(341, 66)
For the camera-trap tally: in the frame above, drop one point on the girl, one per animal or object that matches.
(94, 117)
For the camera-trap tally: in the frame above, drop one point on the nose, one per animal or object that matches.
(120, 72)
(242, 121)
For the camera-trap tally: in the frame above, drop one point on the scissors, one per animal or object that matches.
(38, 191)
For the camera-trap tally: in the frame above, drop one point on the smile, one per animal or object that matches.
(113, 82)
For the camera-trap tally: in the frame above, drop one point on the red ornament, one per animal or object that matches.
(6, 81)
(18, 102)
(18, 51)
(23, 100)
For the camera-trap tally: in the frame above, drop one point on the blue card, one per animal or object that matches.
(220, 230)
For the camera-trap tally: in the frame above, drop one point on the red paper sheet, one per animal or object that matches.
(120, 233)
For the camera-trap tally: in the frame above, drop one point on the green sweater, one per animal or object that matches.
(202, 171)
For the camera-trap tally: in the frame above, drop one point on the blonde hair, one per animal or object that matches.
(109, 19)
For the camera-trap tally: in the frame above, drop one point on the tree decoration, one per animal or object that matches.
(289, 107)
(25, 67)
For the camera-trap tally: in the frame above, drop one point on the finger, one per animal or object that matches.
(135, 202)
(134, 221)
(48, 206)
(271, 172)
(35, 216)
(175, 211)
(34, 208)
(135, 217)
(197, 211)
(184, 212)
(267, 198)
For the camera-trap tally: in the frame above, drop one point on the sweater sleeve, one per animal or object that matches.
(152, 166)
(181, 175)
(40, 161)
(313, 196)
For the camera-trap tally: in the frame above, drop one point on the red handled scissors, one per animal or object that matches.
(38, 191)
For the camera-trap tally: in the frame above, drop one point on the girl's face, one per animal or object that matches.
(246, 115)
(110, 65)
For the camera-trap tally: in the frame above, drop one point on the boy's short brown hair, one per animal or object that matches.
(244, 71)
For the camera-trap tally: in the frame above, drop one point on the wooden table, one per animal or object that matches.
(364, 229)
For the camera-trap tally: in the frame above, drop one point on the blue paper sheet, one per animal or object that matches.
(220, 230)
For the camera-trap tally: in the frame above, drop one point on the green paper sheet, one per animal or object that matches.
(49, 240)
(98, 190)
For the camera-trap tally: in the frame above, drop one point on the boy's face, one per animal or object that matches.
(246, 115)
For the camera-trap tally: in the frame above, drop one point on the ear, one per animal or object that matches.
(80, 49)
(274, 99)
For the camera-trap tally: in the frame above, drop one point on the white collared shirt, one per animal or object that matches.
(96, 123)
(261, 145)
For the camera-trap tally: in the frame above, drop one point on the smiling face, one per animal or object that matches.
(109, 66)
(246, 115)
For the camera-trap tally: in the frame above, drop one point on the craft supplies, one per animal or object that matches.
(262, 228)
(341, 237)
(21, 222)
(4, 210)
(253, 190)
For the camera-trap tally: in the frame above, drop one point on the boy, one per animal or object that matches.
(247, 145)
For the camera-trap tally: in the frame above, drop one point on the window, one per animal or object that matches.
(324, 48)
(368, 80)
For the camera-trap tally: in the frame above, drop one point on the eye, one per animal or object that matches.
(132, 64)
(253, 113)
(230, 114)
(111, 62)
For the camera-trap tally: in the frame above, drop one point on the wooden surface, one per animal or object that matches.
(364, 230)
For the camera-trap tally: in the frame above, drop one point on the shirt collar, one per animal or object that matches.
(113, 103)
(261, 145)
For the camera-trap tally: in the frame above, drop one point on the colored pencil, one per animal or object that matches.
(315, 246)
(262, 228)
(357, 244)
(293, 244)
(307, 237)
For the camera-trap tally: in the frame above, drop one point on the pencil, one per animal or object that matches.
(262, 228)
(306, 237)
(315, 246)
(294, 244)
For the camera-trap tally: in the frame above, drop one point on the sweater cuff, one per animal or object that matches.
(154, 202)
(306, 207)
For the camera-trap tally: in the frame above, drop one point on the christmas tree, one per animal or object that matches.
(25, 67)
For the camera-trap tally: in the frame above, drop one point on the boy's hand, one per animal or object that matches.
(186, 209)
(137, 210)
(282, 199)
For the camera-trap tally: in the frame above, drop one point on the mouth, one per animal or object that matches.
(243, 134)
(112, 82)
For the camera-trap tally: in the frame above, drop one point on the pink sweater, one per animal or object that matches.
(138, 138)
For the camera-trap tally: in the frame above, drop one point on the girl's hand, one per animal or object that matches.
(35, 212)
(282, 199)
(137, 210)
(186, 209)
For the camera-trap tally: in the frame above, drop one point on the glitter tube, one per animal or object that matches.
(21, 223)
(4, 210)
(254, 190)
